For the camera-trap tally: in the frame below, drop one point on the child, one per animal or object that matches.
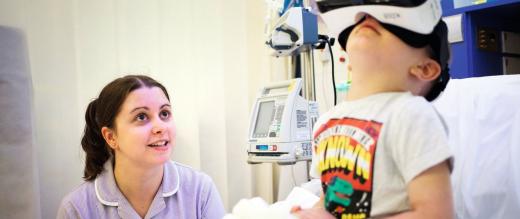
(384, 151)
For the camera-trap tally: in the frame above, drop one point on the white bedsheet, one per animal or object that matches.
(257, 208)
(483, 118)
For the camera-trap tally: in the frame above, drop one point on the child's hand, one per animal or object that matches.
(310, 213)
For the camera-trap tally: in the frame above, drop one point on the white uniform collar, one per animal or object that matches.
(109, 194)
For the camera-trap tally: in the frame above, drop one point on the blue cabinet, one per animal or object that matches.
(487, 19)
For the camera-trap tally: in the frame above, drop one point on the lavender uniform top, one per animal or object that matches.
(184, 193)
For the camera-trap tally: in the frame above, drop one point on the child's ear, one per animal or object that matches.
(109, 136)
(429, 70)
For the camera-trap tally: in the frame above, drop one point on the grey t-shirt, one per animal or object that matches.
(184, 193)
(367, 151)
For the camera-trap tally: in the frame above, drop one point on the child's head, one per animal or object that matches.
(392, 48)
(392, 58)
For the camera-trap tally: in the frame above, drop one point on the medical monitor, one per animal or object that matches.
(280, 129)
(264, 119)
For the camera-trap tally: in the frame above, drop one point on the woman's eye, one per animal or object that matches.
(165, 114)
(141, 117)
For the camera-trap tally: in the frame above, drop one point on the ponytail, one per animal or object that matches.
(93, 143)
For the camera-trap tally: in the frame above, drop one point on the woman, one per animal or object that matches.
(129, 134)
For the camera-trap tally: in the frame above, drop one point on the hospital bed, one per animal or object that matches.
(483, 120)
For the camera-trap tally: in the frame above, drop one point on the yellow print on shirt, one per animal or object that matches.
(338, 152)
(353, 216)
(345, 150)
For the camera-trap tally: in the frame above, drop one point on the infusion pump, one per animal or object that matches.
(281, 125)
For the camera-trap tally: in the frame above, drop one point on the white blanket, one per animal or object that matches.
(257, 208)
(483, 118)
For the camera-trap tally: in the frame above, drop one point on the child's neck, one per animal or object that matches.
(367, 81)
(358, 91)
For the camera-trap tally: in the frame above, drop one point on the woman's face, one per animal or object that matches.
(144, 129)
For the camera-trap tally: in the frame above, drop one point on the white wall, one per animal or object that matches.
(210, 55)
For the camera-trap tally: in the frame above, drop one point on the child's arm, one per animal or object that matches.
(430, 194)
(317, 211)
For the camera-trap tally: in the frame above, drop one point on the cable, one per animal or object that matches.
(333, 77)
(330, 41)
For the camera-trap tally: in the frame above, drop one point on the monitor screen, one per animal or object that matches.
(264, 118)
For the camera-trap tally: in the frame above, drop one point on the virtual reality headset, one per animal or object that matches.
(416, 22)
(419, 16)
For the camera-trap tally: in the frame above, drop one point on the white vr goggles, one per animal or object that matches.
(416, 22)
(419, 16)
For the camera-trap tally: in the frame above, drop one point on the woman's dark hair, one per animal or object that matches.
(101, 112)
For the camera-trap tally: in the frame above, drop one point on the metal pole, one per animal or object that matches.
(306, 3)
(309, 93)
(307, 68)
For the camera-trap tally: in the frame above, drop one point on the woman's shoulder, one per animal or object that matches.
(187, 172)
(79, 199)
(80, 193)
(198, 190)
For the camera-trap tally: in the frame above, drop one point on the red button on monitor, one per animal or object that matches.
(275, 148)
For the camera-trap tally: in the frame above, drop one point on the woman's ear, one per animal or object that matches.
(428, 70)
(109, 136)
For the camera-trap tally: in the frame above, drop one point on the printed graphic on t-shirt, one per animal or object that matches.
(346, 149)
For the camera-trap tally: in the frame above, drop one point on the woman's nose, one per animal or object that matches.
(158, 126)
